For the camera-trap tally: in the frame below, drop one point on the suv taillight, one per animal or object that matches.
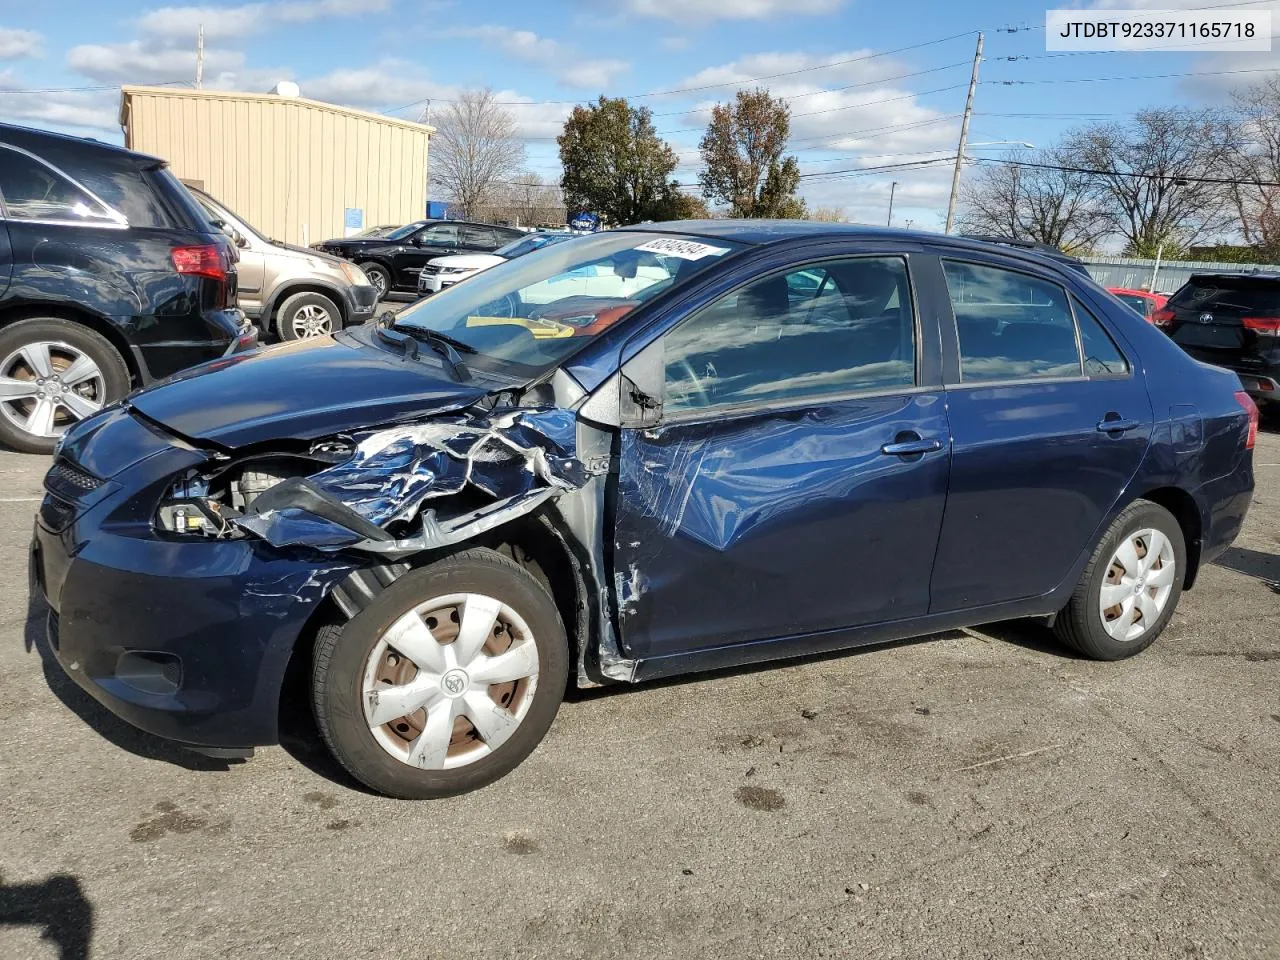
(1162, 317)
(1251, 410)
(1263, 326)
(205, 260)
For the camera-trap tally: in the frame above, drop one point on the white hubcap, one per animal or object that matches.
(47, 386)
(450, 681)
(311, 320)
(1140, 578)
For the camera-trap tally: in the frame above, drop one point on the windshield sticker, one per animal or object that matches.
(684, 249)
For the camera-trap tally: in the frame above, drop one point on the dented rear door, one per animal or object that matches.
(817, 508)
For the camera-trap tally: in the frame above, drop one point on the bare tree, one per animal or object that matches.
(530, 197)
(1256, 161)
(474, 150)
(827, 215)
(1152, 172)
(1015, 199)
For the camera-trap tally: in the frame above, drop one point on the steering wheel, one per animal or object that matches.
(687, 369)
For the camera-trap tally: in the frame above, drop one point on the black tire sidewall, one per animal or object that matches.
(284, 315)
(340, 701)
(115, 374)
(370, 268)
(1137, 517)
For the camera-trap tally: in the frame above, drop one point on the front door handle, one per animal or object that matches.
(907, 448)
(1117, 425)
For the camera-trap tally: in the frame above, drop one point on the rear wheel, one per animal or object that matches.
(446, 682)
(305, 315)
(54, 373)
(378, 277)
(1130, 588)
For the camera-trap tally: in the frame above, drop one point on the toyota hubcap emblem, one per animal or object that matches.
(454, 683)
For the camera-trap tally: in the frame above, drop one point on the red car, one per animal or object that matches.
(1143, 301)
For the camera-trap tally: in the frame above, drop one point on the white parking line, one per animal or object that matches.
(38, 499)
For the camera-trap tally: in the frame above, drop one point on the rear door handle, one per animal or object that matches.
(909, 447)
(1117, 426)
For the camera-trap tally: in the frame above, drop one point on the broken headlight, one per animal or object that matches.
(187, 509)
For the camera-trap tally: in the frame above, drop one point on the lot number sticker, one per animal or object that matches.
(684, 249)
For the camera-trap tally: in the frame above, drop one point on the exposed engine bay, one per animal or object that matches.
(392, 491)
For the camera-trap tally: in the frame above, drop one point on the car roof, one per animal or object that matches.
(1134, 293)
(28, 136)
(1236, 275)
(764, 232)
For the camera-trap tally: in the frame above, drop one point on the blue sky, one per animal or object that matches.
(857, 104)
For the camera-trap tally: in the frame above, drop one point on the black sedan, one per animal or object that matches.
(394, 261)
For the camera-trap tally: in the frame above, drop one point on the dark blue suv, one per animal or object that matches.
(744, 441)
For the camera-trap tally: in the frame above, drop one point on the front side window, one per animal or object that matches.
(536, 310)
(835, 327)
(1012, 326)
(33, 191)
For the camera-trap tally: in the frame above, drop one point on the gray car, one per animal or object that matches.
(291, 291)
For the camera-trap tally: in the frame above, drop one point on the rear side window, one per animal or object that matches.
(34, 191)
(835, 327)
(477, 237)
(1011, 325)
(1101, 355)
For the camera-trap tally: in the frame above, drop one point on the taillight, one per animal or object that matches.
(1162, 317)
(1251, 409)
(206, 260)
(1263, 326)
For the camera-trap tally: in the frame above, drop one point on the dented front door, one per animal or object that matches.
(777, 524)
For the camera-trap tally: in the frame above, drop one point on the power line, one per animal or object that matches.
(1130, 174)
(714, 86)
(1153, 76)
(88, 89)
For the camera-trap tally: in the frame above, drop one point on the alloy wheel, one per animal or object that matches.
(47, 386)
(378, 282)
(311, 320)
(1140, 578)
(450, 681)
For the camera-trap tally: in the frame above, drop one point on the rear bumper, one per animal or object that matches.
(1260, 378)
(229, 331)
(1224, 505)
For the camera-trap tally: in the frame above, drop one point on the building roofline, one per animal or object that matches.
(128, 91)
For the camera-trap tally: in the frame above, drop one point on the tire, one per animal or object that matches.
(357, 657)
(1083, 624)
(378, 276)
(305, 315)
(54, 347)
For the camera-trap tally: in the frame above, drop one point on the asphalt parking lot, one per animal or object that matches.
(982, 794)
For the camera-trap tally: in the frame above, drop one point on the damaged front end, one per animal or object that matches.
(389, 492)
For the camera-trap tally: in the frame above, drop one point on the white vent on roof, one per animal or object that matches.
(286, 88)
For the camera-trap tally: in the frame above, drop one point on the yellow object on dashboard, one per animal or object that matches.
(541, 329)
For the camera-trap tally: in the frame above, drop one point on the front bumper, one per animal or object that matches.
(185, 639)
(435, 282)
(361, 302)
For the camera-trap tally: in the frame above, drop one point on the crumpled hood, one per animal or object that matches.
(302, 390)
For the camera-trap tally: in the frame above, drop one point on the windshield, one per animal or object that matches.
(535, 311)
(1132, 300)
(535, 241)
(407, 230)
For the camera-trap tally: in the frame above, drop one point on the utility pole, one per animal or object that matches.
(964, 136)
(200, 56)
(892, 188)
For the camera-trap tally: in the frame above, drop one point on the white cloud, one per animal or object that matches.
(706, 10)
(224, 23)
(558, 58)
(140, 62)
(15, 44)
(79, 112)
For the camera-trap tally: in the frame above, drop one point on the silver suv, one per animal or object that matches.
(292, 291)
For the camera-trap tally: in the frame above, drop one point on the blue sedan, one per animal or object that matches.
(758, 440)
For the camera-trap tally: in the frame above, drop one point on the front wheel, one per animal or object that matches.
(378, 276)
(446, 682)
(1130, 588)
(306, 315)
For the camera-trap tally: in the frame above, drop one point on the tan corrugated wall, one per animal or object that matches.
(289, 167)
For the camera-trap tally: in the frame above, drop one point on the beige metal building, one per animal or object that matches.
(298, 170)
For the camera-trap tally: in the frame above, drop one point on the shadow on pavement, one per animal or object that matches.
(102, 721)
(1253, 563)
(58, 906)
